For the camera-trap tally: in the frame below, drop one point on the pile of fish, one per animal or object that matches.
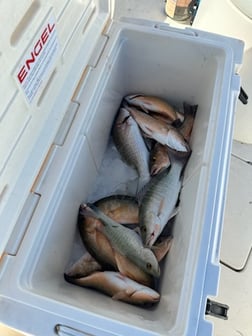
(123, 235)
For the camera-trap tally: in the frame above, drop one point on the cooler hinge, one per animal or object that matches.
(66, 123)
(216, 309)
(92, 64)
(98, 51)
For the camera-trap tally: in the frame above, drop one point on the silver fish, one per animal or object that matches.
(125, 241)
(130, 144)
(155, 105)
(159, 200)
(160, 131)
(118, 287)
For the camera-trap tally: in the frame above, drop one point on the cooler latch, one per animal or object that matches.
(63, 330)
(243, 96)
(216, 309)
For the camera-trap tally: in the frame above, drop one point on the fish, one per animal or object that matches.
(153, 104)
(84, 266)
(130, 144)
(122, 208)
(159, 158)
(124, 241)
(117, 286)
(186, 128)
(160, 198)
(118, 207)
(95, 242)
(160, 131)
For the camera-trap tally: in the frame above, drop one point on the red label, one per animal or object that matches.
(38, 60)
(36, 50)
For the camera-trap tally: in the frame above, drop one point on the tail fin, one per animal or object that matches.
(180, 158)
(88, 210)
(190, 109)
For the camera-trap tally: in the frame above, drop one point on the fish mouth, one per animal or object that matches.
(156, 170)
(130, 97)
(150, 239)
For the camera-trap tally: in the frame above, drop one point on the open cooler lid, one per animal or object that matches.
(45, 48)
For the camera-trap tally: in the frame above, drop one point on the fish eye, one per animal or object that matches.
(143, 229)
(148, 266)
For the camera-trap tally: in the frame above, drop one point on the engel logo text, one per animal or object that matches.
(36, 50)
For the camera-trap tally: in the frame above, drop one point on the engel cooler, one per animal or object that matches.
(65, 66)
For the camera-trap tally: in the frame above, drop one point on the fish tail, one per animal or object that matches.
(142, 182)
(177, 156)
(88, 210)
(190, 109)
(69, 278)
(177, 123)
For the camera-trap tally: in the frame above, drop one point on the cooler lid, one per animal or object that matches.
(45, 47)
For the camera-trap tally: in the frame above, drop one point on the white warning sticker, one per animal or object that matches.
(38, 60)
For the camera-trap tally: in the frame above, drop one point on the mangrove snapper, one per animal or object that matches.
(125, 210)
(130, 144)
(125, 241)
(118, 286)
(160, 198)
(155, 105)
(160, 131)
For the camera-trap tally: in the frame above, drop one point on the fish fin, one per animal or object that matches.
(141, 183)
(128, 269)
(86, 211)
(137, 230)
(190, 109)
(123, 294)
(161, 249)
(71, 279)
(84, 266)
(176, 123)
(149, 143)
(144, 109)
(122, 262)
(150, 135)
(126, 118)
(161, 207)
(174, 212)
(130, 97)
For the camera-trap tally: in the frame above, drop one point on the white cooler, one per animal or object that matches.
(65, 66)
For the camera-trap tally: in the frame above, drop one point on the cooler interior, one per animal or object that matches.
(177, 67)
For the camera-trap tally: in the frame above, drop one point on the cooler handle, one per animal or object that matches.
(63, 330)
